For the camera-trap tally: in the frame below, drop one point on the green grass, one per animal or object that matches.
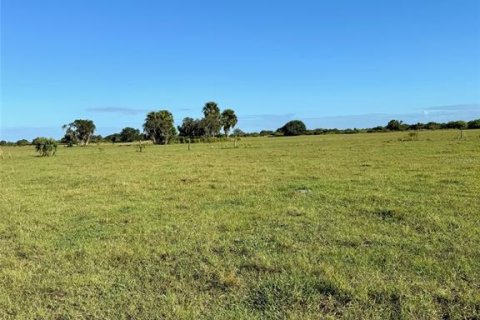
(335, 226)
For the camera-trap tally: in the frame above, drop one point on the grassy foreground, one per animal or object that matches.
(335, 226)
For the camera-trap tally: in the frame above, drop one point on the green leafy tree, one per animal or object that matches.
(129, 134)
(432, 125)
(212, 120)
(238, 132)
(417, 126)
(115, 137)
(293, 128)
(79, 131)
(457, 125)
(69, 138)
(191, 128)
(266, 133)
(45, 146)
(159, 126)
(22, 142)
(395, 125)
(96, 138)
(474, 124)
(229, 120)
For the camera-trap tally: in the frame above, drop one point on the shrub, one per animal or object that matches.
(46, 146)
(140, 146)
(413, 135)
(456, 125)
(129, 134)
(96, 139)
(293, 128)
(395, 125)
(433, 126)
(238, 132)
(474, 124)
(22, 142)
(266, 133)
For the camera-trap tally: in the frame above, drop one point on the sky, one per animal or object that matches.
(342, 63)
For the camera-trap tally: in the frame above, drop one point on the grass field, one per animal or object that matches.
(334, 226)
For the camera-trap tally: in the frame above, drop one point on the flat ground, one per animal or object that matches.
(334, 226)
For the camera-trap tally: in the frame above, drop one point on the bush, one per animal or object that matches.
(456, 125)
(238, 132)
(116, 137)
(474, 124)
(395, 125)
(22, 142)
(46, 146)
(129, 134)
(433, 126)
(413, 135)
(293, 128)
(96, 139)
(417, 126)
(140, 146)
(266, 133)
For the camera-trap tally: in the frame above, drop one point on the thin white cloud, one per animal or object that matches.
(131, 111)
(255, 122)
(456, 107)
(118, 110)
(436, 114)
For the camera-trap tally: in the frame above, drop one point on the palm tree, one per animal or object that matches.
(229, 120)
(211, 109)
(159, 126)
(212, 120)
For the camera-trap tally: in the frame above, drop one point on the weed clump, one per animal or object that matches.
(388, 215)
(140, 146)
(411, 136)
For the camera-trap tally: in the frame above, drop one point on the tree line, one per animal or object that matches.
(296, 127)
(159, 127)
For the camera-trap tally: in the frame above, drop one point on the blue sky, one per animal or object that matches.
(344, 63)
